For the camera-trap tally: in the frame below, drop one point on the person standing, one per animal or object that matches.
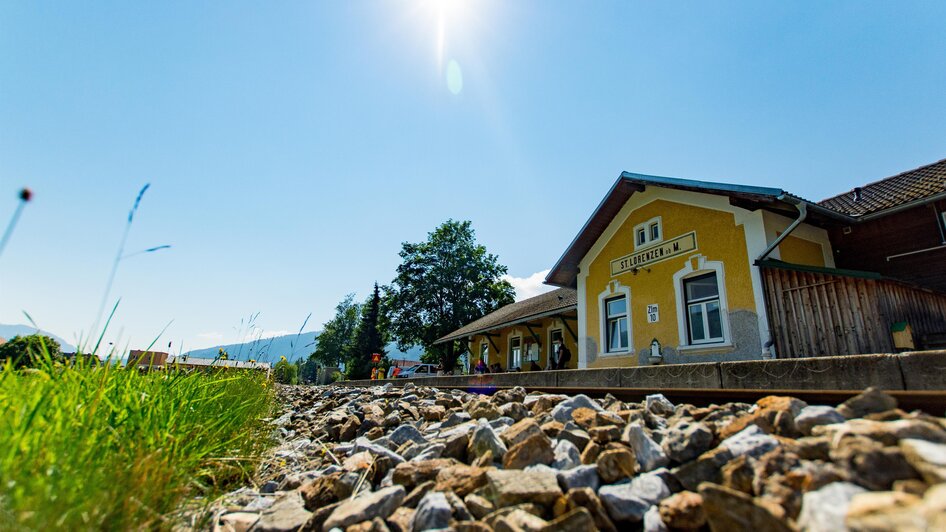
(564, 355)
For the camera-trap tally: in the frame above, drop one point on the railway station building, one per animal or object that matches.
(670, 270)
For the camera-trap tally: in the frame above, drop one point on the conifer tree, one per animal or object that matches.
(368, 340)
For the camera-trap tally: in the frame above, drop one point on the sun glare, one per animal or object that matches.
(452, 18)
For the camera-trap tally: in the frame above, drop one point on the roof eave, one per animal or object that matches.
(452, 336)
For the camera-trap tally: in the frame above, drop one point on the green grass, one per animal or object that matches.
(105, 448)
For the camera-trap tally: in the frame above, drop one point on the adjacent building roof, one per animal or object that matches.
(923, 183)
(215, 362)
(547, 304)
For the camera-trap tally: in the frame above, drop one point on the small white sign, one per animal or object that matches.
(653, 314)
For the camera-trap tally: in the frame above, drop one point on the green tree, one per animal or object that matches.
(441, 285)
(285, 373)
(334, 343)
(368, 339)
(30, 351)
(309, 370)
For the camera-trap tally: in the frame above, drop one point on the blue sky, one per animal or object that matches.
(292, 146)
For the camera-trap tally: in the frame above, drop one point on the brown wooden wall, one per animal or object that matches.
(818, 314)
(868, 244)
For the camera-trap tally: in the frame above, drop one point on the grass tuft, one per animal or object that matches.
(107, 448)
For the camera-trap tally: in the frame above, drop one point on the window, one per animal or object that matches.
(704, 317)
(515, 352)
(616, 325)
(532, 351)
(484, 353)
(649, 232)
(555, 345)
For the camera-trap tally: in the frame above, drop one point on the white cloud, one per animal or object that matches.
(530, 286)
(212, 336)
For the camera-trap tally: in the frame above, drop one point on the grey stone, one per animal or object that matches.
(649, 455)
(814, 415)
(430, 452)
(823, 510)
(287, 514)
(433, 512)
(563, 410)
(750, 441)
(583, 476)
(460, 511)
(501, 422)
(406, 433)
(566, 454)
(622, 505)
(364, 444)
(871, 401)
(454, 419)
(658, 405)
(366, 506)
(685, 441)
(485, 439)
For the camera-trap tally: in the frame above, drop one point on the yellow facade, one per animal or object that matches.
(800, 251)
(502, 338)
(718, 238)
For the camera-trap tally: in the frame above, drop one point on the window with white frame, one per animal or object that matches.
(649, 232)
(616, 324)
(515, 352)
(532, 351)
(703, 310)
(484, 352)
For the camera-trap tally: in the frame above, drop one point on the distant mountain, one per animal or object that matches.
(9, 331)
(291, 346)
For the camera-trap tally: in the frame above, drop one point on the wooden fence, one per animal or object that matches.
(814, 313)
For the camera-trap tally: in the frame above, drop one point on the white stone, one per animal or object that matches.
(750, 441)
(622, 505)
(823, 510)
(653, 522)
(814, 415)
(563, 411)
(567, 455)
(649, 487)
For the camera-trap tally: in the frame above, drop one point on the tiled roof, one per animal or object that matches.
(902, 188)
(562, 299)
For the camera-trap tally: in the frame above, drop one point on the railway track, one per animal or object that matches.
(930, 401)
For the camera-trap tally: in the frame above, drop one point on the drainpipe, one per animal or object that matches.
(802, 214)
(767, 351)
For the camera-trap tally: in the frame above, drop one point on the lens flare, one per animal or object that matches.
(454, 77)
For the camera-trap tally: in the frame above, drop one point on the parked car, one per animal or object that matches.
(418, 370)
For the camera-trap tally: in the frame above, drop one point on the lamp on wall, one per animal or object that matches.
(655, 350)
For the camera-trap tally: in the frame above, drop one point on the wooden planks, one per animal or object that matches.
(818, 314)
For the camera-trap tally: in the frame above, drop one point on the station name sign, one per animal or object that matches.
(662, 251)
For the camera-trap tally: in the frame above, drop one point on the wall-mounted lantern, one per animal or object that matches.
(655, 350)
